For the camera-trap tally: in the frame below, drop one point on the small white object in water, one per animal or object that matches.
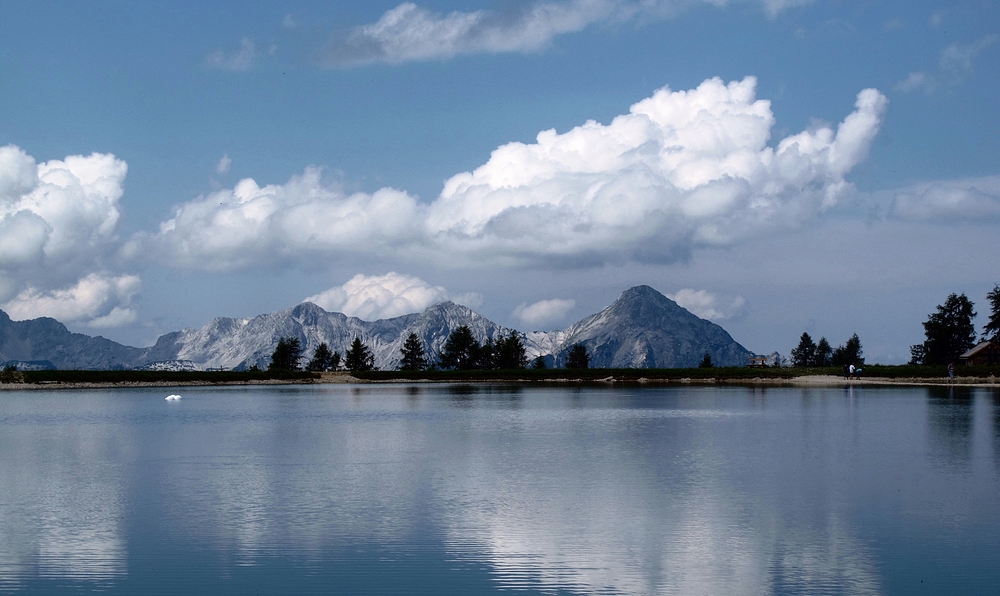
(173, 397)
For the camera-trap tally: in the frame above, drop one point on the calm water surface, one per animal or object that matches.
(463, 490)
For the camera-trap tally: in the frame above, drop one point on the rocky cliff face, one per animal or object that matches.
(642, 329)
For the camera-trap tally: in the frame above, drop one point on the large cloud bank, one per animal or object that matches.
(409, 32)
(57, 234)
(681, 170)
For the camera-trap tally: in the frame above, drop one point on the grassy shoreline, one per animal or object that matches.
(876, 374)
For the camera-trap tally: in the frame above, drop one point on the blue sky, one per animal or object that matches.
(264, 153)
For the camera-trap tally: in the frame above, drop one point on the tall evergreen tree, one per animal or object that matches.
(322, 358)
(949, 331)
(413, 354)
(824, 353)
(538, 363)
(706, 361)
(510, 353)
(849, 353)
(486, 358)
(577, 357)
(461, 351)
(805, 353)
(991, 331)
(286, 354)
(359, 357)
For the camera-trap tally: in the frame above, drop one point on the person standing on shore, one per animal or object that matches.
(951, 372)
(850, 371)
(847, 372)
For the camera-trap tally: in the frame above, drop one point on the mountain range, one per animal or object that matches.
(641, 329)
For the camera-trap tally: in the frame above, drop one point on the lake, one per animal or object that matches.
(455, 489)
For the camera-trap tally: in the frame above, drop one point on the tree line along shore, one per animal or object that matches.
(901, 373)
(949, 332)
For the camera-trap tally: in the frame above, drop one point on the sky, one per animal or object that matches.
(775, 166)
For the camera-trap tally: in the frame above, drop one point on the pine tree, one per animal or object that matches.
(538, 363)
(359, 357)
(510, 353)
(950, 330)
(991, 331)
(823, 354)
(849, 353)
(805, 353)
(413, 354)
(461, 351)
(322, 359)
(577, 357)
(486, 358)
(286, 354)
(706, 361)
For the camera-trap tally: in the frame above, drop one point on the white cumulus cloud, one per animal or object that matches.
(708, 305)
(971, 199)
(99, 300)
(380, 296)
(681, 170)
(250, 225)
(240, 60)
(543, 312)
(409, 32)
(57, 233)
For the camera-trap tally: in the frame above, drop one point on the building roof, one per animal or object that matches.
(979, 348)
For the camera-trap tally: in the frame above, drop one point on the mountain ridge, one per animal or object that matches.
(641, 329)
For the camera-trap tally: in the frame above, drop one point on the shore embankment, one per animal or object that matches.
(35, 380)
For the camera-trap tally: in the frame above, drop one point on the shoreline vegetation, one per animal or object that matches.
(984, 376)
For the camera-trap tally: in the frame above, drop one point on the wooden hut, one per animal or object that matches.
(985, 353)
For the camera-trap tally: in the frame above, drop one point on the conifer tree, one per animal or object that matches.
(849, 353)
(359, 357)
(991, 331)
(322, 359)
(577, 357)
(413, 354)
(510, 353)
(286, 354)
(487, 355)
(823, 354)
(706, 361)
(805, 353)
(949, 331)
(461, 351)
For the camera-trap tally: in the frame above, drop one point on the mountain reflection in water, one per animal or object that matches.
(467, 489)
